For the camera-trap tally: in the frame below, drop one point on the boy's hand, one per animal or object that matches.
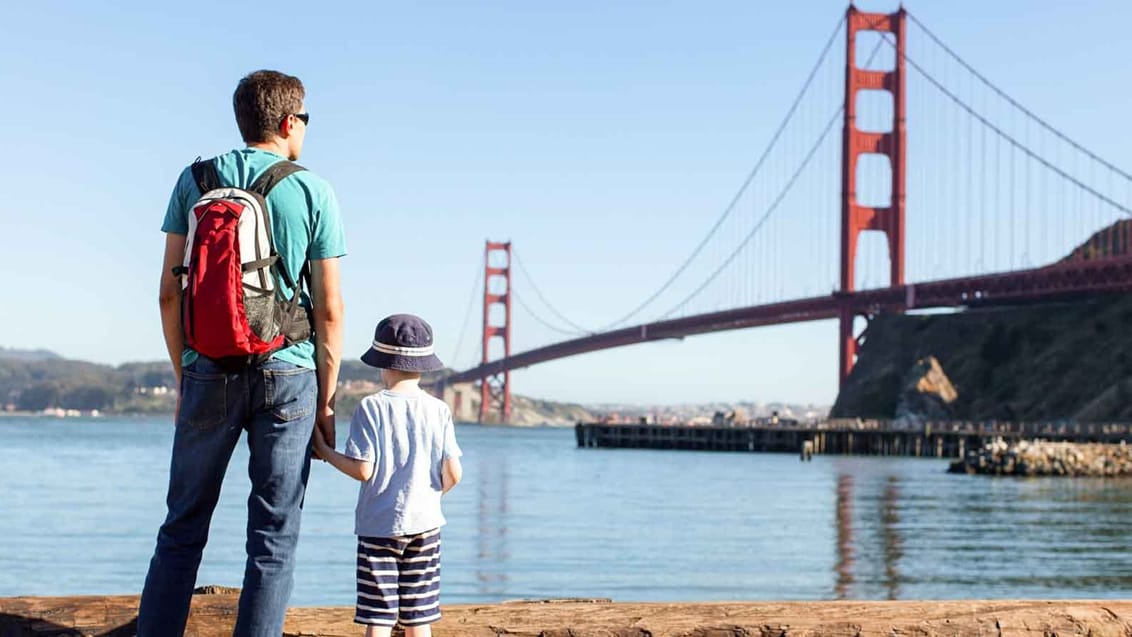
(324, 425)
(321, 449)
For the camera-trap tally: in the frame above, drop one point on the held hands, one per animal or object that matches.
(324, 436)
(322, 450)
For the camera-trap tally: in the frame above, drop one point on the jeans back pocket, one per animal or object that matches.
(289, 393)
(204, 399)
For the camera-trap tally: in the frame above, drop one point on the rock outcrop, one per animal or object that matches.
(927, 394)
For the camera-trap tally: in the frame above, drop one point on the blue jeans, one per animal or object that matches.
(275, 403)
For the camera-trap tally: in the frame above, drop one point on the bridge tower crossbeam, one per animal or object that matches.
(857, 218)
(495, 389)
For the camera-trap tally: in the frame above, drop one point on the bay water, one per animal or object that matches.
(536, 517)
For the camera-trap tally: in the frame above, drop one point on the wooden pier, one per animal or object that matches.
(841, 437)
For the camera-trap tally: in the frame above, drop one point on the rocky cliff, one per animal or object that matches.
(1036, 362)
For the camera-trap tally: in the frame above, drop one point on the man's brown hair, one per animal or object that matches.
(262, 99)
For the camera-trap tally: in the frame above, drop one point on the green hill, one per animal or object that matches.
(34, 383)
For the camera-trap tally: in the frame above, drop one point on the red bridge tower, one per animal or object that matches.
(495, 390)
(856, 218)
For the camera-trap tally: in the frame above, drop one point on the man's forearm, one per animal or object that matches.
(328, 353)
(171, 327)
(169, 298)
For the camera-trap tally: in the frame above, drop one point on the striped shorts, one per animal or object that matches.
(399, 579)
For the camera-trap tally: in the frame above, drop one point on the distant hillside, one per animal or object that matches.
(27, 354)
(39, 382)
(34, 381)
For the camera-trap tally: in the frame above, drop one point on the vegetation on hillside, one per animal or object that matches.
(34, 383)
(38, 380)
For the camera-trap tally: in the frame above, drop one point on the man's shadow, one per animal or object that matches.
(20, 626)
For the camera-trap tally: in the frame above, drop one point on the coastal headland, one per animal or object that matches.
(1067, 362)
(213, 616)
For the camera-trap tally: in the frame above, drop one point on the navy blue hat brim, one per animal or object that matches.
(421, 364)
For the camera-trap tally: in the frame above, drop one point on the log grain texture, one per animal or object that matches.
(213, 616)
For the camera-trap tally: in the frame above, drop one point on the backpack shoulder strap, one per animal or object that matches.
(273, 175)
(204, 173)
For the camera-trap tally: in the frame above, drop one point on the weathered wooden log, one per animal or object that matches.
(213, 616)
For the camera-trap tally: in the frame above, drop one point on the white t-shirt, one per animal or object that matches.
(407, 436)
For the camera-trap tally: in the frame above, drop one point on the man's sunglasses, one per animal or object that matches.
(305, 117)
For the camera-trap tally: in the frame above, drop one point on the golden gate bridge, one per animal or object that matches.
(943, 191)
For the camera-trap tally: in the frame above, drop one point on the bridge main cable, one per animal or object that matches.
(773, 207)
(1009, 138)
(578, 329)
(766, 215)
(1004, 95)
(750, 177)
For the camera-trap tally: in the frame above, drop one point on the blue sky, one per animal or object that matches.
(602, 138)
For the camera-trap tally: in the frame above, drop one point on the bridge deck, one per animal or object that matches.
(1065, 280)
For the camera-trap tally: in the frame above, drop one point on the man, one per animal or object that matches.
(278, 401)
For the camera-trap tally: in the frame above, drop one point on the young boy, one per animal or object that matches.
(402, 447)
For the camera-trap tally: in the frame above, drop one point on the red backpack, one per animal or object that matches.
(231, 310)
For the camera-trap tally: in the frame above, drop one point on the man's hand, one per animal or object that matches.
(324, 426)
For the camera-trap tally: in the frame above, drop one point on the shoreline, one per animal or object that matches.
(213, 615)
(142, 415)
(102, 415)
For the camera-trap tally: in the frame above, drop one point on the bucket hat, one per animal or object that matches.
(403, 342)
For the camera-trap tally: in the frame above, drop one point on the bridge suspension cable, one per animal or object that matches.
(766, 215)
(1004, 95)
(775, 203)
(545, 323)
(578, 329)
(746, 183)
(467, 315)
(1007, 137)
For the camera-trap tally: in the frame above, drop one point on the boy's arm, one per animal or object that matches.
(361, 470)
(450, 473)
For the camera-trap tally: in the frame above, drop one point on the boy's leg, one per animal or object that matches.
(421, 630)
(207, 430)
(282, 399)
(418, 581)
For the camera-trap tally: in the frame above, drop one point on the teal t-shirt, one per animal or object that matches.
(305, 223)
